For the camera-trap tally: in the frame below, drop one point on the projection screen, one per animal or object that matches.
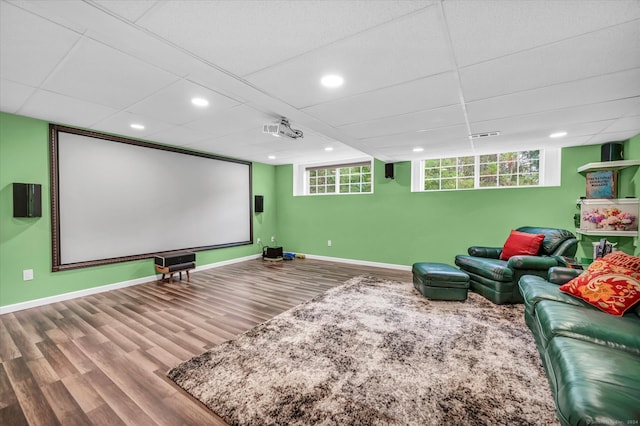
(115, 199)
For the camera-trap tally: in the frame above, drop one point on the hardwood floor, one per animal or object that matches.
(102, 359)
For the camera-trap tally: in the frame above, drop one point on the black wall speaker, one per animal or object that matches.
(27, 200)
(388, 170)
(259, 204)
(611, 151)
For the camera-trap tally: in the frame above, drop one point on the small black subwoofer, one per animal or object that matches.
(259, 204)
(611, 151)
(388, 170)
(27, 200)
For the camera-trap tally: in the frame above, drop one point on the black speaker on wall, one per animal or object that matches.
(27, 200)
(258, 205)
(388, 170)
(611, 151)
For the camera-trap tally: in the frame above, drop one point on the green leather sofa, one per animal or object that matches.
(592, 358)
(497, 279)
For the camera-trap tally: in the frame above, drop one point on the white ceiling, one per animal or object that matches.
(417, 73)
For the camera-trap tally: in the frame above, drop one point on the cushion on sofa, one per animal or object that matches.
(620, 258)
(521, 243)
(610, 288)
(556, 318)
(535, 289)
(495, 269)
(593, 384)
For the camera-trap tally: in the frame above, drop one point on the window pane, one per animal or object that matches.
(430, 185)
(313, 173)
(529, 179)
(448, 183)
(492, 158)
(488, 181)
(466, 183)
(431, 173)
(331, 180)
(344, 171)
(466, 170)
(354, 178)
(466, 160)
(344, 189)
(330, 189)
(508, 167)
(355, 188)
(355, 169)
(366, 187)
(448, 172)
(312, 190)
(366, 169)
(366, 178)
(449, 162)
(321, 181)
(432, 163)
(508, 180)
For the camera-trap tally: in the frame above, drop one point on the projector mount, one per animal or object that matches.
(282, 129)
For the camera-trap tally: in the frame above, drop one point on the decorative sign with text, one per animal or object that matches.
(602, 184)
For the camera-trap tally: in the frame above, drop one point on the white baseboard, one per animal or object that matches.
(101, 289)
(360, 262)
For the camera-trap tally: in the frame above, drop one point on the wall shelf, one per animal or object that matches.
(608, 165)
(602, 233)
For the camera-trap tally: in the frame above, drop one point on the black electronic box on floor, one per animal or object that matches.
(272, 253)
(174, 258)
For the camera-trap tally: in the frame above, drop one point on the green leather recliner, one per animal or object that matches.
(497, 279)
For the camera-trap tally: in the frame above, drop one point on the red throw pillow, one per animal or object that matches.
(611, 288)
(620, 258)
(521, 243)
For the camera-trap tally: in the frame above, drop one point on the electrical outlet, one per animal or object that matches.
(27, 275)
(273, 239)
(329, 243)
(258, 241)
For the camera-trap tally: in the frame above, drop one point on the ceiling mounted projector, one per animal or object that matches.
(282, 129)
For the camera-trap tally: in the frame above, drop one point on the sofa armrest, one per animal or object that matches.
(542, 263)
(489, 252)
(561, 275)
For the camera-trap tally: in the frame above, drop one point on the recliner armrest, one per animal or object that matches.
(489, 252)
(532, 262)
(561, 275)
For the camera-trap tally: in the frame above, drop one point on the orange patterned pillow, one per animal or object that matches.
(611, 288)
(620, 258)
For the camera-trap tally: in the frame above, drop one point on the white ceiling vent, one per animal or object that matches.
(483, 135)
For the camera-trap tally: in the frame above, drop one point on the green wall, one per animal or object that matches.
(25, 243)
(394, 225)
(391, 226)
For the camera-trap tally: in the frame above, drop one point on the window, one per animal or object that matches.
(342, 179)
(506, 169)
(348, 178)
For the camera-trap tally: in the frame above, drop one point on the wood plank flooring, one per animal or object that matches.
(102, 359)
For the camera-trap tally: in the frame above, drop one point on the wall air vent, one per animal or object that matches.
(483, 135)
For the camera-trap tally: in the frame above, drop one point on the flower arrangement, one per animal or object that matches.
(611, 218)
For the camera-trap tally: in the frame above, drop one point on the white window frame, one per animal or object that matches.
(301, 176)
(549, 171)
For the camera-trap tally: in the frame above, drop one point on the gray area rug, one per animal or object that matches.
(374, 352)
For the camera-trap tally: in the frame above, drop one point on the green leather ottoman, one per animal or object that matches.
(439, 281)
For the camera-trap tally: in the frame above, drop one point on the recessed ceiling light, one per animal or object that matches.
(418, 149)
(332, 80)
(137, 126)
(271, 157)
(201, 102)
(329, 148)
(558, 134)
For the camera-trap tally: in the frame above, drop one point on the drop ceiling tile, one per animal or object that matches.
(601, 52)
(245, 36)
(438, 137)
(483, 30)
(13, 95)
(625, 124)
(621, 85)
(178, 135)
(65, 110)
(387, 126)
(558, 119)
(427, 93)
(173, 103)
(97, 73)
(31, 47)
(606, 137)
(230, 121)
(131, 10)
(120, 124)
(403, 50)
